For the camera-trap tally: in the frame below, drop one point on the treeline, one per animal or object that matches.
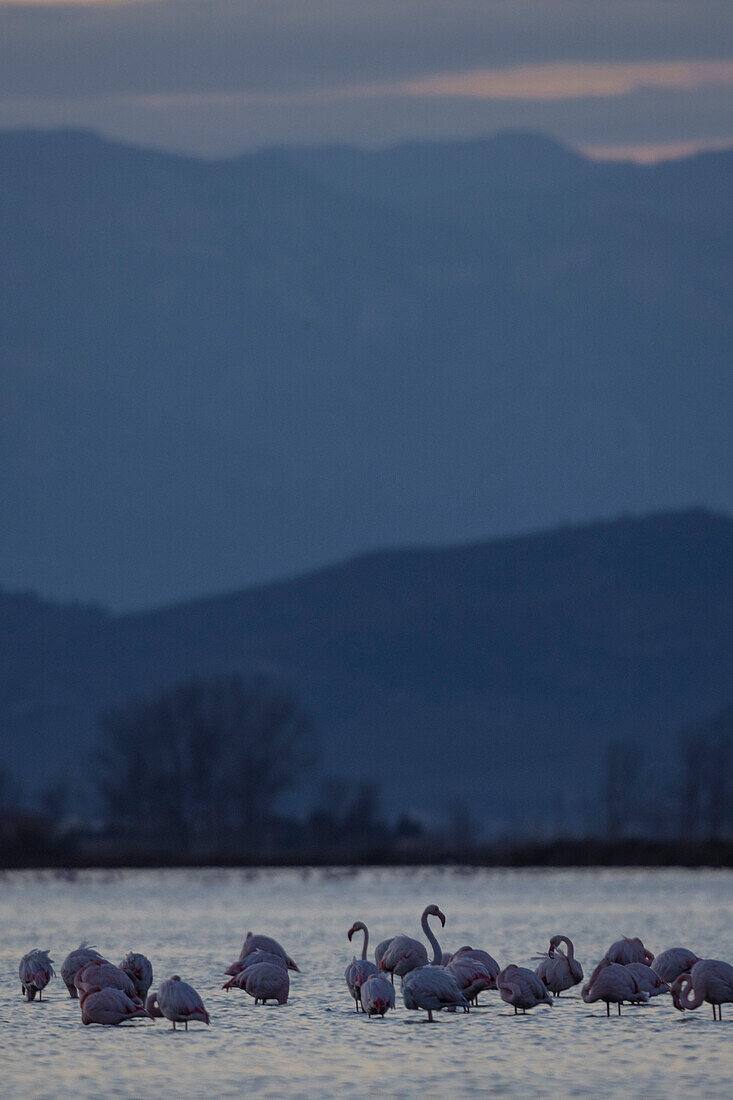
(688, 796)
(199, 772)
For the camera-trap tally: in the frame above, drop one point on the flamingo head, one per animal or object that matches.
(676, 990)
(434, 911)
(292, 965)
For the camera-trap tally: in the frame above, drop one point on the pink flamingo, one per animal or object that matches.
(709, 980)
(627, 951)
(104, 975)
(612, 983)
(140, 971)
(257, 957)
(359, 970)
(74, 962)
(379, 953)
(472, 975)
(647, 979)
(267, 981)
(482, 956)
(401, 955)
(377, 995)
(179, 1002)
(673, 962)
(109, 1006)
(256, 942)
(521, 988)
(432, 988)
(560, 970)
(35, 972)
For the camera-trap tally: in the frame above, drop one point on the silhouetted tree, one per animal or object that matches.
(707, 786)
(204, 762)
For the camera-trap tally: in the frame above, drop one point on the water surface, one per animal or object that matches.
(193, 922)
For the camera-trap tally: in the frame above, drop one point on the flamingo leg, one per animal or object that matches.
(430, 1016)
(619, 1008)
(174, 1025)
(720, 1012)
(186, 1025)
(608, 1008)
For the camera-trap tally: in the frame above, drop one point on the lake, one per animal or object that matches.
(193, 922)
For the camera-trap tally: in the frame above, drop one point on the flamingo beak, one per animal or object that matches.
(442, 917)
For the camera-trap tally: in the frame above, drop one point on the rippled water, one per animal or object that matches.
(193, 922)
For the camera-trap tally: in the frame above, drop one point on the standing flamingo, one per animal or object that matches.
(179, 1002)
(35, 972)
(74, 962)
(432, 988)
(709, 980)
(359, 970)
(379, 953)
(256, 942)
(105, 975)
(560, 970)
(401, 955)
(377, 996)
(109, 1006)
(627, 950)
(482, 956)
(240, 969)
(266, 981)
(472, 974)
(522, 988)
(140, 971)
(612, 983)
(674, 961)
(648, 979)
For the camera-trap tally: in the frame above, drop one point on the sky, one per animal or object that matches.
(640, 78)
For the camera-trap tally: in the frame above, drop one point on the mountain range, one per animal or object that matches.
(492, 674)
(221, 373)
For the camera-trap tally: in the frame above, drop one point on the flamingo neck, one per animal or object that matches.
(366, 941)
(687, 997)
(437, 953)
(570, 954)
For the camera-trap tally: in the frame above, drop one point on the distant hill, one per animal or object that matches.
(219, 373)
(494, 673)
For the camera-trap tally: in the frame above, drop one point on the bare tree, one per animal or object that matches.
(203, 763)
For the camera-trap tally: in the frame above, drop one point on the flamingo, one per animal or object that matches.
(151, 1005)
(35, 972)
(140, 971)
(674, 961)
(560, 970)
(266, 943)
(627, 951)
(109, 1006)
(359, 970)
(400, 955)
(648, 979)
(256, 957)
(267, 981)
(104, 975)
(379, 952)
(709, 980)
(484, 957)
(377, 995)
(432, 988)
(179, 1002)
(521, 988)
(74, 961)
(612, 982)
(472, 976)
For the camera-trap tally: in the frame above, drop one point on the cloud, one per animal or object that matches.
(215, 76)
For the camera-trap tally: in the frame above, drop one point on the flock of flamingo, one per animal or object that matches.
(628, 972)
